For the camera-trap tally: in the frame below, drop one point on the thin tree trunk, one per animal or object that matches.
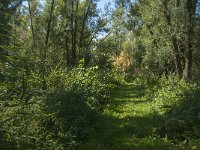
(67, 56)
(177, 58)
(4, 30)
(72, 33)
(66, 53)
(188, 62)
(191, 8)
(44, 85)
(31, 19)
(176, 53)
(75, 25)
(84, 24)
(48, 28)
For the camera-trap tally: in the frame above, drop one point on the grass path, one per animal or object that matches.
(127, 124)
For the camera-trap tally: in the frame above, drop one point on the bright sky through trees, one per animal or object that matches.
(102, 3)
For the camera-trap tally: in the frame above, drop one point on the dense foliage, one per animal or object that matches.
(66, 111)
(60, 61)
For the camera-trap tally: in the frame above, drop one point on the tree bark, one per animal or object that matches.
(44, 85)
(191, 8)
(177, 58)
(72, 33)
(48, 28)
(176, 53)
(75, 25)
(67, 56)
(4, 29)
(31, 19)
(85, 17)
(66, 52)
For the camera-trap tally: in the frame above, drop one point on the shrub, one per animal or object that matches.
(56, 118)
(178, 101)
(170, 93)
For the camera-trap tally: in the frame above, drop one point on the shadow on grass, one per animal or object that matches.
(130, 132)
(127, 91)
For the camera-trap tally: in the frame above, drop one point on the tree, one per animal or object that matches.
(7, 10)
(170, 27)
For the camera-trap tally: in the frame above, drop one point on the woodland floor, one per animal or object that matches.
(128, 124)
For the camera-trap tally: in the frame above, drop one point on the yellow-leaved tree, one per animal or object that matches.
(124, 61)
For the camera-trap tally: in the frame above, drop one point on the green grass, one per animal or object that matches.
(127, 124)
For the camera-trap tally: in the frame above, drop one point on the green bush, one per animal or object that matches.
(178, 102)
(170, 93)
(56, 118)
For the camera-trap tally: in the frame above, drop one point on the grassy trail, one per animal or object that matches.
(127, 124)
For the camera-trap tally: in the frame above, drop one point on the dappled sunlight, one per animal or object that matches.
(127, 124)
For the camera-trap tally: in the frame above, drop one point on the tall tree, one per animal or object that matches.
(170, 26)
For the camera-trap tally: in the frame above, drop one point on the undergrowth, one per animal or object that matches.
(177, 101)
(58, 117)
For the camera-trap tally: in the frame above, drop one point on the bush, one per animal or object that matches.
(56, 118)
(170, 93)
(178, 102)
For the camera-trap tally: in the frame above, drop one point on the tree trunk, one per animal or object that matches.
(84, 20)
(177, 58)
(4, 29)
(67, 56)
(176, 53)
(31, 19)
(66, 52)
(48, 28)
(191, 8)
(74, 46)
(44, 73)
(188, 62)
(72, 34)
